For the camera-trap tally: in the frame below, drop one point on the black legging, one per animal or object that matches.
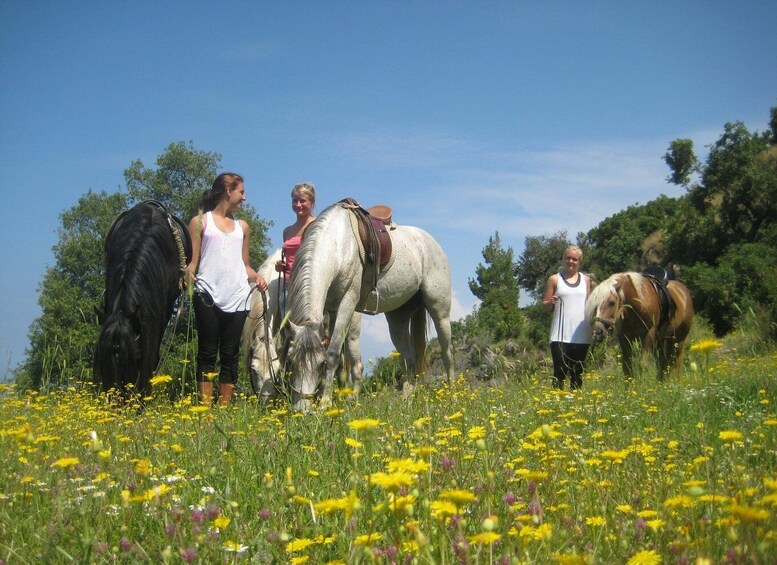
(218, 334)
(568, 362)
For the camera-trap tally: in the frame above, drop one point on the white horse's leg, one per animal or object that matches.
(336, 340)
(354, 353)
(442, 325)
(399, 330)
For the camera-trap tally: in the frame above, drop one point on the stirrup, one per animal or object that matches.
(377, 302)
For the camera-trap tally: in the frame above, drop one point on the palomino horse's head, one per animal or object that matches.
(307, 354)
(604, 307)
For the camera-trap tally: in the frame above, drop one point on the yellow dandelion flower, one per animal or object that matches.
(645, 514)
(234, 546)
(595, 521)
(368, 539)
(301, 500)
(625, 508)
(529, 475)
(300, 560)
(332, 412)
(364, 424)
(407, 466)
(345, 392)
(748, 513)
(161, 380)
(476, 432)
(645, 557)
(419, 423)
(143, 467)
(198, 409)
(569, 559)
(350, 442)
(485, 538)
(730, 435)
(454, 416)
(221, 523)
(65, 462)
(442, 509)
(424, 451)
(458, 496)
(679, 501)
(656, 524)
(705, 345)
(392, 481)
(615, 456)
(771, 484)
(211, 376)
(298, 544)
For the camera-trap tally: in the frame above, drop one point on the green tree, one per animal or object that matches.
(724, 231)
(541, 258)
(63, 337)
(618, 243)
(495, 285)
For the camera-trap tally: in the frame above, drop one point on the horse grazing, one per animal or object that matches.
(334, 275)
(635, 308)
(146, 253)
(262, 339)
(259, 342)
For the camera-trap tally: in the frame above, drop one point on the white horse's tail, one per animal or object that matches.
(418, 335)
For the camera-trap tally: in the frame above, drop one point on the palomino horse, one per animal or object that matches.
(332, 276)
(146, 253)
(262, 341)
(630, 305)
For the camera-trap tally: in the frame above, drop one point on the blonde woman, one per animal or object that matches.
(566, 294)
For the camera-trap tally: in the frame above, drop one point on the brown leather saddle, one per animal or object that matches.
(373, 227)
(660, 279)
(373, 231)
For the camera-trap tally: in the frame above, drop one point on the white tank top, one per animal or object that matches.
(221, 271)
(569, 323)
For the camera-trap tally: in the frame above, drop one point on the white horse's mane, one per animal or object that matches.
(300, 299)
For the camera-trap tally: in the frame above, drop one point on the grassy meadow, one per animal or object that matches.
(638, 472)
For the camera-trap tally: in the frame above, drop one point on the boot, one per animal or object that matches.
(225, 393)
(206, 393)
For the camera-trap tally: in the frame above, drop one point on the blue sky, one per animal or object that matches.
(466, 117)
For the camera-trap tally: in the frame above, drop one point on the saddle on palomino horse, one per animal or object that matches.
(373, 226)
(660, 279)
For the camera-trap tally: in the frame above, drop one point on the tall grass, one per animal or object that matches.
(619, 472)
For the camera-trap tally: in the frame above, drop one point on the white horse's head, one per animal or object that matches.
(259, 344)
(307, 353)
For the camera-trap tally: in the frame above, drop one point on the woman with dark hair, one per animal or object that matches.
(221, 272)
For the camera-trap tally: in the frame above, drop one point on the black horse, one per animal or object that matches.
(146, 253)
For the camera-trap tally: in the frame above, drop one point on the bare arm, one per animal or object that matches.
(549, 299)
(196, 225)
(253, 276)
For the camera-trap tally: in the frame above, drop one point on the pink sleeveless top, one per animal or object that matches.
(290, 248)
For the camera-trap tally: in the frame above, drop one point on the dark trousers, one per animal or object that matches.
(218, 335)
(568, 362)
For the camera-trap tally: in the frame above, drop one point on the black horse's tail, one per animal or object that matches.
(117, 354)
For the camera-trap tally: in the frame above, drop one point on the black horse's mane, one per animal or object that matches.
(142, 273)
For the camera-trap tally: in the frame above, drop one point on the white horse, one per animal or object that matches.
(262, 342)
(259, 343)
(331, 278)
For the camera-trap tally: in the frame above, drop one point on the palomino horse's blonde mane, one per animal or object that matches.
(611, 286)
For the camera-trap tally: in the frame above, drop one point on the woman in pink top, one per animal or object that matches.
(303, 200)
